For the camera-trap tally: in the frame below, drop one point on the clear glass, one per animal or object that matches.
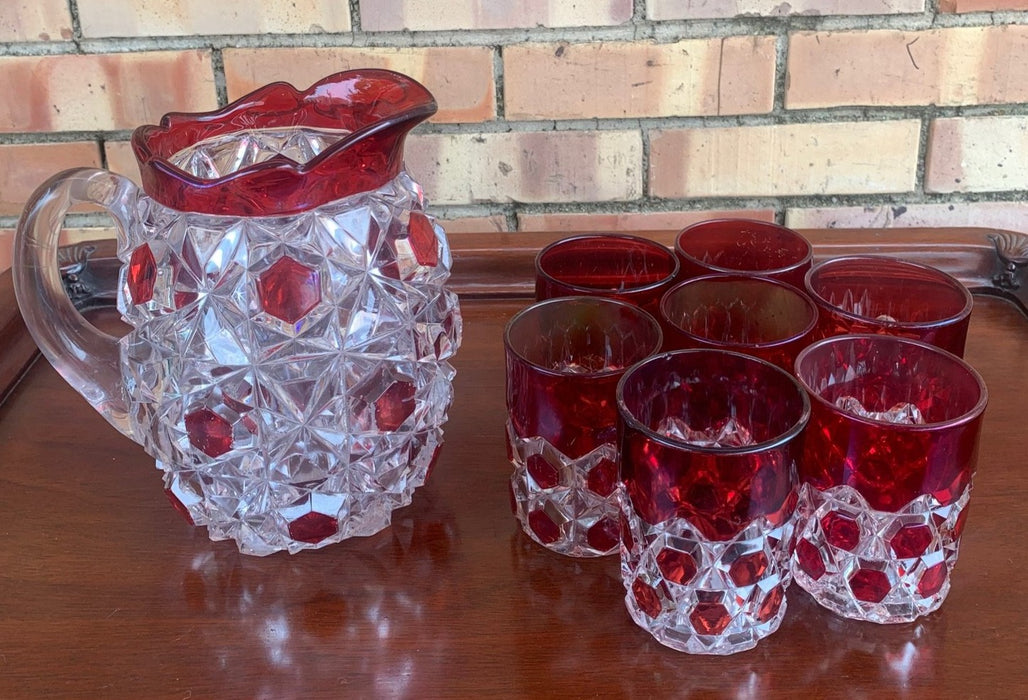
(288, 363)
(743, 246)
(564, 359)
(709, 446)
(887, 467)
(877, 294)
(756, 316)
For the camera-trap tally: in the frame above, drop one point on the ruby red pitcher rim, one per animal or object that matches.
(376, 106)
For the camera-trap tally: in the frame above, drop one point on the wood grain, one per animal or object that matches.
(106, 592)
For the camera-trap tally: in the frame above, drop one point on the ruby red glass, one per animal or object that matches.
(629, 268)
(709, 445)
(757, 316)
(370, 112)
(564, 359)
(726, 246)
(877, 294)
(887, 465)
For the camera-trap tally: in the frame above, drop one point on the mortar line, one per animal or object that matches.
(76, 25)
(220, 81)
(499, 87)
(355, 17)
(668, 31)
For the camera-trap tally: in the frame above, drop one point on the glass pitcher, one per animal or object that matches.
(287, 365)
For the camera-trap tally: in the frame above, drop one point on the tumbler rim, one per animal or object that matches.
(966, 417)
(794, 431)
(578, 238)
(728, 345)
(641, 313)
(807, 258)
(943, 276)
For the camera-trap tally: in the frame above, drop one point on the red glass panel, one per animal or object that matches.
(629, 268)
(288, 290)
(724, 246)
(870, 585)
(890, 464)
(866, 294)
(719, 490)
(209, 432)
(709, 618)
(378, 107)
(604, 535)
(313, 527)
(142, 274)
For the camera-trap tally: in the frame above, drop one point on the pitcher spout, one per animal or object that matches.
(280, 150)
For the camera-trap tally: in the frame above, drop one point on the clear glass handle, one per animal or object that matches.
(86, 357)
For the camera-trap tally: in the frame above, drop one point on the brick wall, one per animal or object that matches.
(574, 115)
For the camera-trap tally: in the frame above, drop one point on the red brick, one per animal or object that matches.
(1012, 216)
(461, 78)
(791, 159)
(953, 66)
(981, 5)
(121, 159)
(700, 9)
(634, 221)
(125, 18)
(418, 15)
(24, 167)
(87, 92)
(731, 75)
(537, 166)
(977, 154)
(35, 20)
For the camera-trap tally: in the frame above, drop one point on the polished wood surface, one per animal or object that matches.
(106, 592)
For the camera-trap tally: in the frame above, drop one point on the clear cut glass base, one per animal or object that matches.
(701, 596)
(878, 566)
(290, 375)
(569, 506)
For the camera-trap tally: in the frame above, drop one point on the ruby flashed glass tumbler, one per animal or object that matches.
(564, 359)
(756, 316)
(709, 448)
(869, 294)
(743, 246)
(886, 471)
(630, 268)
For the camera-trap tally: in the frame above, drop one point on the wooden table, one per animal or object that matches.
(106, 592)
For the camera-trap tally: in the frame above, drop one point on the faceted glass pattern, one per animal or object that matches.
(564, 359)
(706, 596)
(290, 374)
(868, 294)
(887, 466)
(743, 246)
(567, 505)
(882, 566)
(708, 464)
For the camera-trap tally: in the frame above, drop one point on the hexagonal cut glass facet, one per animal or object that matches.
(423, 240)
(141, 274)
(276, 364)
(574, 493)
(313, 527)
(896, 571)
(677, 567)
(209, 432)
(705, 596)
(289, 290)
